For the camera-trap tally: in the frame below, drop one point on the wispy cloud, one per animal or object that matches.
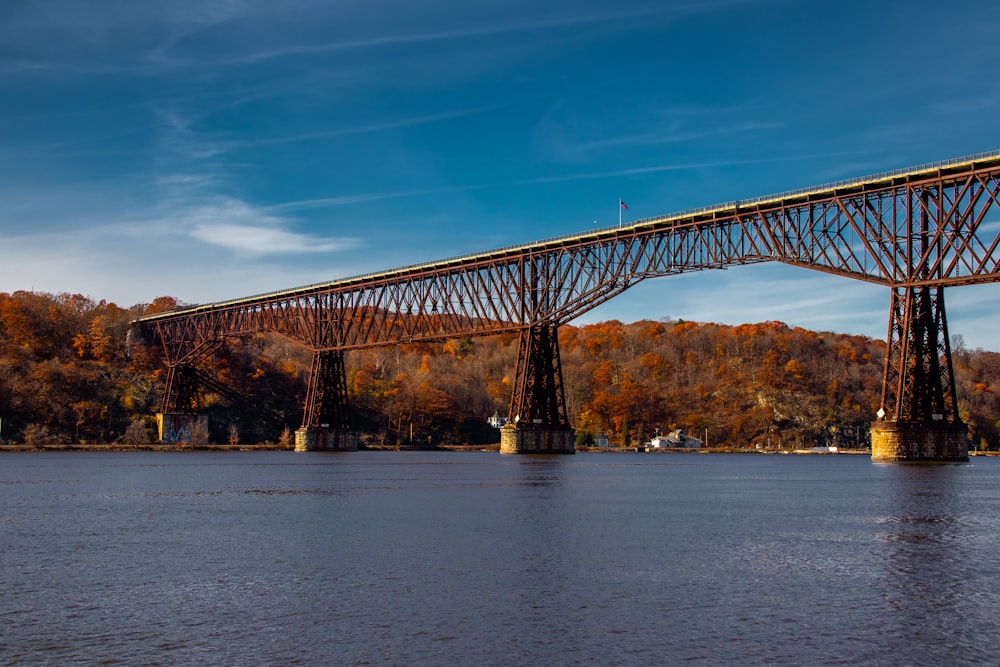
(243, 228)
(104, 36)
(350, 200)
(564, 134)
(187, 33)
(360, 129)
(196, 251)
(678, 166)
(967, 102)
(484, 29)
(256, 241)
(22, 66)
(263, 240)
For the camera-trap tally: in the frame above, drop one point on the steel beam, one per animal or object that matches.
(326, 399)
(927, 227)
(859, 229)
(919, 380)
(538, 400)
(181, 392)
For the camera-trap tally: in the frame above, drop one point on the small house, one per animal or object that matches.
(675, 439)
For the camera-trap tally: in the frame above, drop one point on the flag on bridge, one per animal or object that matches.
(622, 206)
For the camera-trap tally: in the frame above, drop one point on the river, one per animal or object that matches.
(430, 558)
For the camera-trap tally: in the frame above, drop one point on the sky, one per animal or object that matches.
(214, 149)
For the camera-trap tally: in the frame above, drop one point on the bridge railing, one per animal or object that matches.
(788, 194)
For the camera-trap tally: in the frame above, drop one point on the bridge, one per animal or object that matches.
(915, 231)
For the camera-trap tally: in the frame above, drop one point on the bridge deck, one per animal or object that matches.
(880, 181)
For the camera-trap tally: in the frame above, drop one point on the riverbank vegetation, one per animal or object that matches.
(66, 376)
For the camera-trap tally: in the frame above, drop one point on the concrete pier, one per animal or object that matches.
(515, 440)
(182, 427)
(325, 440)
(919, 441)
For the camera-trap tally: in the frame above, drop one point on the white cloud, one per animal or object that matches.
(198, 249)
(238, 226)
(131, 263)
(264, 241)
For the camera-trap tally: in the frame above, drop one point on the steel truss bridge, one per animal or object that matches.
(916, 231)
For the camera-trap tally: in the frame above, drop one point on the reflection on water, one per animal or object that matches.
(930, 531)
(442, 558)
(543, 470)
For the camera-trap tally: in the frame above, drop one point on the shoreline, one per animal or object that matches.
(142, 448)
(271, 447)
(274, 447)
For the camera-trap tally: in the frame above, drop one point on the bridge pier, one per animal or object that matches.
(326, 422)
(919, 441)
(179, 420)
(181, 391)
(538, 422)
(515, 440)
(325, 439)
(918, 420)
(181, 427)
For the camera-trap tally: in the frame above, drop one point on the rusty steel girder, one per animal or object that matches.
(919, 380)
(326, 397)
(183, 379)
(923, 227)
(868, 230)
(538, 399)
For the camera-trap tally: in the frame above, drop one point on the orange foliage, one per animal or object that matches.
(63, 366)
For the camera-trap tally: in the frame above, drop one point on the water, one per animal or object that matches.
(277, 558)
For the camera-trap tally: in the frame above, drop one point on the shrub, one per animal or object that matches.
(38, 434)
(137, 433)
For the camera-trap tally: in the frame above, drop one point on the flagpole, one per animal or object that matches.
(619, 213)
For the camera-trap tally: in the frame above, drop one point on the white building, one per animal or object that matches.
(675, 439)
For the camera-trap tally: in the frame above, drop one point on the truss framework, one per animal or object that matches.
(539, 400)
(912, 230)
(919, 376)
(326, 399)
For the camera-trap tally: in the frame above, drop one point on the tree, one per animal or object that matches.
(65, 375)
(137, 433)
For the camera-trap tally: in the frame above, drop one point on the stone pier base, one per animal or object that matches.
(325, 440)
(919, 441)
(536, 441)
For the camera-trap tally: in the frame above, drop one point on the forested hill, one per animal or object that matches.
(65, 377)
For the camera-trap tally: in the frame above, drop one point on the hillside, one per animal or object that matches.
(65, 377)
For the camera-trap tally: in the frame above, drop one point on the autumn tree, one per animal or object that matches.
(69, 372)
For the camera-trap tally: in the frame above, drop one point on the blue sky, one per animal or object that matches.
(210, 150)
